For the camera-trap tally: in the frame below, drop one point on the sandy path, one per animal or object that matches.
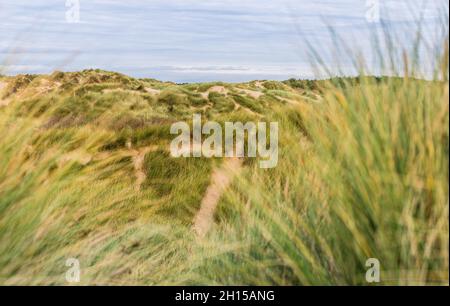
(138, 156)
(138, 163)
(219, 89)
(220, 180)
(152, 91)
(252, 93)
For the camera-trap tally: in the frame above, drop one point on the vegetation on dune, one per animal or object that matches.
(68, 178)
(85, 172)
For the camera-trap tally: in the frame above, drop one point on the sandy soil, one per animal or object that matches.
(152, 91)
(252, 93)
(221, 179)
(219, 89)
(138, 163)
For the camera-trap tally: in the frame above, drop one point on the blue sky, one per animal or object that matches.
(193, 40)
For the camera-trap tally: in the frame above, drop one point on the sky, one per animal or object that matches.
(198, 40)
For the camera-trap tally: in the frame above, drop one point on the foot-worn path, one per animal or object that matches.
(221, 179)
(138, 162)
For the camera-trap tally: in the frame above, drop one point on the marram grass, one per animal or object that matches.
(362, 173)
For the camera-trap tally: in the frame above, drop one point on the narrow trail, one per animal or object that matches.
(252, 93)
(138, 163)
(218, 89)
(137, 155)
(153, 91)
(221, 179)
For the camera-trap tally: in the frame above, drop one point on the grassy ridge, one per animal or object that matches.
(68, 181)
(362, 173)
